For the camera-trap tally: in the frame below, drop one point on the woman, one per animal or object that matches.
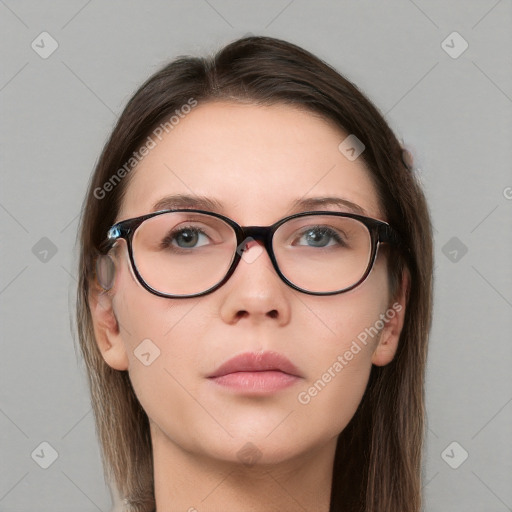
(255, 292)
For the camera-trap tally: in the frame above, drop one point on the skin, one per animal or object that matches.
(254, 160)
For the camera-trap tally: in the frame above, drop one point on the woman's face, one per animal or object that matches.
(254, 162)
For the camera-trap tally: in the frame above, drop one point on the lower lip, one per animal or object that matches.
(256, 382)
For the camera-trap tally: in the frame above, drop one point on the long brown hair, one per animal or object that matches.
(378, 458)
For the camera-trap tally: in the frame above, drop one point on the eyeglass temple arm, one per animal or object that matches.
(388, 235)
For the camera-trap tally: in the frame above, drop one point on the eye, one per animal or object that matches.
(185, 238)
(320, 236)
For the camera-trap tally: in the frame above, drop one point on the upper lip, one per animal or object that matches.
(256, 362)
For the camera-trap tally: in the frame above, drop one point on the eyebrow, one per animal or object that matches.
(187, 201)
(206, 203)
(314, 203)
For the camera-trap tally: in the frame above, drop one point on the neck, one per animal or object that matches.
(191, 482)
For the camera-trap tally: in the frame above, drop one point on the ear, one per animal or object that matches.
(106, 329)
(394, 322)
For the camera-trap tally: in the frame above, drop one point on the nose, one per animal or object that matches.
(255, 293)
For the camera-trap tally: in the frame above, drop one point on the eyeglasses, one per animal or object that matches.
(188, 253)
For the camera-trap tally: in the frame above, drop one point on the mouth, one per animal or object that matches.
(256, 373)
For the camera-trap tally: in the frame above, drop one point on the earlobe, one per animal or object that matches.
(106, 330)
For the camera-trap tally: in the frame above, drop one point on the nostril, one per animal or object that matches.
(273, 313)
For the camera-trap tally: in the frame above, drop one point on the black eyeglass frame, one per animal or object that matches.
(380, 232)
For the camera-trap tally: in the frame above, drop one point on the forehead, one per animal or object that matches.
(254, 161)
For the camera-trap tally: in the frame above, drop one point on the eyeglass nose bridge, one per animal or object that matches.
(259, 233)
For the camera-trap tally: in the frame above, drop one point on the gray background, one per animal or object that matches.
(455, 114)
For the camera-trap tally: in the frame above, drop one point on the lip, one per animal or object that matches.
(256, 373)
(257, 362)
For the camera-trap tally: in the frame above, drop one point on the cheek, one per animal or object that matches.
(152, 332)
(352, 318)
(160, 339)
(347, 332)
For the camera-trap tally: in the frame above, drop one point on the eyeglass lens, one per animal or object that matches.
(185, 253)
